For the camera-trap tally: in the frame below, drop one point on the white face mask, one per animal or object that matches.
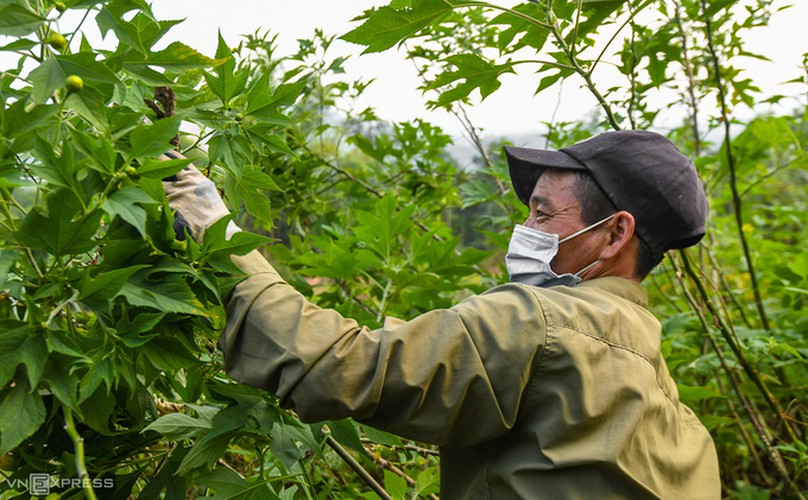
(531, 251)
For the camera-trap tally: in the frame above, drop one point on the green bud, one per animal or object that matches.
(74, 83)
(57, 41)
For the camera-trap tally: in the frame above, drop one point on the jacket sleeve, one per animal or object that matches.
(453, 377)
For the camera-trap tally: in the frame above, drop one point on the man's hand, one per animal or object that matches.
(196, 201)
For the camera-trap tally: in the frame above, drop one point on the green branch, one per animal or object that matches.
(78, 444)
(733, 181)
(524, 17)
(576, 66)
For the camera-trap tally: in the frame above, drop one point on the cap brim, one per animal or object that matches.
(526, 165)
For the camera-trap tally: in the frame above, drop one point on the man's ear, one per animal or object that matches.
(619, 230)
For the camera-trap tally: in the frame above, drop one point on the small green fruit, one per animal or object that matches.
(74, 83)
(60, 6)
(239, 117)
(57, 41)
(131, 171)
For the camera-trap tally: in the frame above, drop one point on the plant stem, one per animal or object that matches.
(733, 181)
(357, 467)
(691, 81)
(524, 17)
(385, 464)
(576, 66)
(78, 444)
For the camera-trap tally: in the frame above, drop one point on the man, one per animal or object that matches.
(551, 386)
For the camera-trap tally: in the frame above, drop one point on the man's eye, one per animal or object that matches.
(539, 213)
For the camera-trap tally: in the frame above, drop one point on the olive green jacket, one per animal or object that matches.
(530, 393)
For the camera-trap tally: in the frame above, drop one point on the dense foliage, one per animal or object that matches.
(108, 324)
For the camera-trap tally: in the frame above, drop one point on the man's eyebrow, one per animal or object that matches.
(536, 200)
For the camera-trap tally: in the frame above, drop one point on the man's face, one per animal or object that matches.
(554, 209)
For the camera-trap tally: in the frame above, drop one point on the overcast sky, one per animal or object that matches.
(511, 110)
(394, 94)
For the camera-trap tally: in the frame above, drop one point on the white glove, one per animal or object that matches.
(196, 201)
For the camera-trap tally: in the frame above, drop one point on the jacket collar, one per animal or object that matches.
(622, 287)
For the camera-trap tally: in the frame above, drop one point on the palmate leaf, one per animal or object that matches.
(167, 293)
(126, 32)
(21, 414)
(475, 73)
(51, 74)
(101, 153)
(158, 169)
(227, 83)
(521, 32)
(153, 140)
(388, 25)
(61, 230)
(125, 204)
(96, 291)
(180, 425)
(90, 105)
(16, 121)
(176, 57)
(380, 229)
(250, 185)
(264, 104)
(19, 345)
(17, 18)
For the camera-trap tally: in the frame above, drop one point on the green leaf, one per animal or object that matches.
(51, 74)
(180, 57)
(20, 345)
(21, 414)
(263, 104)
(96, 291)
(180, 426)
(169, 293)
(388, 25)
(127, 32)
(227, 483)
(693, 394)
(61, 230)
(17, 121)
(228, 82)
(7, 259)
(57, 170)
(125, 204)
(520, 31)
(168, 354)
(477, 73)
(250, 185)
(159, 169)
(17, 19)
(395, 485)
(63, 383)
(154, 140)
(346, 432)
(99, 150)
(215, 240)
(205, 452)
(90, 105)
(380, 229)
(381, 437)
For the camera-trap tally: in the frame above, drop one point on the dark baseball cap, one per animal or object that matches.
(640, 172)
